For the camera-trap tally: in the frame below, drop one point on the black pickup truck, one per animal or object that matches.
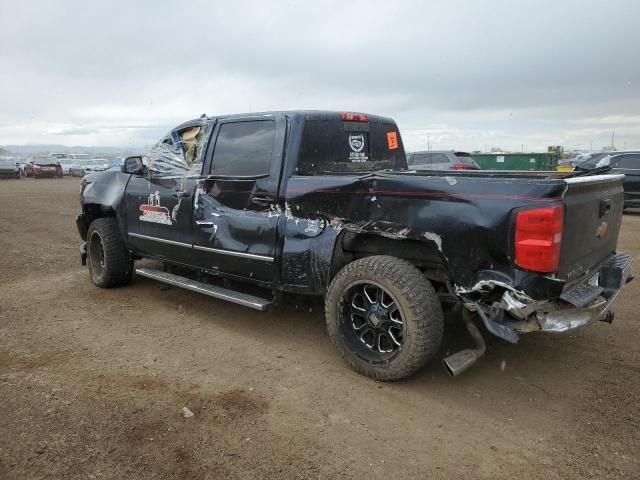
(322, 203)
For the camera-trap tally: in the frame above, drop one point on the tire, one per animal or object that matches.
(410, 297)
(109, 262)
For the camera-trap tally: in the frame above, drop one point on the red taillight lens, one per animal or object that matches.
(354, 117)
(462, 166)
(538, 238)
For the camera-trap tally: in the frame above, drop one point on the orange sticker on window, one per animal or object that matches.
(392, 140)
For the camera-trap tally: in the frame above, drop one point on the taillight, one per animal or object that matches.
(354, 117)
(538, 238)
(462, 166)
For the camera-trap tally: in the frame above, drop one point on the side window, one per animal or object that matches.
(439, 158)
(191, 144)
(628, 161)
(244, 149)
(178, 154)
(421, 159)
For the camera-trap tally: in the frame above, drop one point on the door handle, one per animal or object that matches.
(261, 201)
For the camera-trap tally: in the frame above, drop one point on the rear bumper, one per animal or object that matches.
(613, 275)
(579, 305)
(560, 316)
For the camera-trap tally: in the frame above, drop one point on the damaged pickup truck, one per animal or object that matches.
(322, 203)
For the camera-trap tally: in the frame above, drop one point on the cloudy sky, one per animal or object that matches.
(461, 74)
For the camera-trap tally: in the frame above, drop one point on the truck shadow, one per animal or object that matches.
(297, 326)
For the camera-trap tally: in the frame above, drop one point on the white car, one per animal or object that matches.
(66, 164)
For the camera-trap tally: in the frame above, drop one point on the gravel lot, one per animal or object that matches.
(93, 382)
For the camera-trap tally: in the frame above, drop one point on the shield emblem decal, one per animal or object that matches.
(356, 142)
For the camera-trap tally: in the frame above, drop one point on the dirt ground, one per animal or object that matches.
(93, 382)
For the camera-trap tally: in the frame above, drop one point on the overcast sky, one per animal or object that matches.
(465, 73)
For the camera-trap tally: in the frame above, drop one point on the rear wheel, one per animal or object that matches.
(109, 262)
(384, 317)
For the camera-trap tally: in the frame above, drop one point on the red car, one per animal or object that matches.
(43, 167)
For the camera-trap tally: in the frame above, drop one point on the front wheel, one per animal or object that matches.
(384, 317)
(110, 265)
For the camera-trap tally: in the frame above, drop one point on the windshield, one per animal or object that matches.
(595, 161)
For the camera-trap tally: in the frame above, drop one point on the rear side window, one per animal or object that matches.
(335, 146)
(439, 158)
(420, 159)
(244, 149)
(629, 161)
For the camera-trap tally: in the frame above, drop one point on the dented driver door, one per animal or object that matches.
(236, 206)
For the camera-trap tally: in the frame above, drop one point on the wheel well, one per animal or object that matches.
(94, 211)
(424, 255)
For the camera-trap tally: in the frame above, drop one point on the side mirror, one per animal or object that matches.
(133, 165)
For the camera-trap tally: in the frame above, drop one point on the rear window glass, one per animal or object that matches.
(334, 146)
(593, 161)
(439, 158)
(419, 159)
(244, 149)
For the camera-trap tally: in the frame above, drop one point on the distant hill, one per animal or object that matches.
(27, 149)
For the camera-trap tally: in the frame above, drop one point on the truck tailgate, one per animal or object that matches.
(593, 214)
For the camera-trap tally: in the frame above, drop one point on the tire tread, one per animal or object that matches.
(420, 304)
(118, 264)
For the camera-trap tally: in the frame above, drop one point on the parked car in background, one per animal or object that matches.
(66, 164)
(567, 164)
(39, 167)
(10, 167)
(441, 160)
(628, 163)
(82, 167)
(23, 166)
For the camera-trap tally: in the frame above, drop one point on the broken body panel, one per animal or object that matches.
(292, 226)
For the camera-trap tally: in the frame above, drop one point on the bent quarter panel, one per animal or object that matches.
(468, 220)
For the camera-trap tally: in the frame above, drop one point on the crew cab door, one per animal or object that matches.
(237, 208)
(160, 203)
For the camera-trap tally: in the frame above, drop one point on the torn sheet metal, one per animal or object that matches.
(463, 218)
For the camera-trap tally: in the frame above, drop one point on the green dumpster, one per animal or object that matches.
(516, 161)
